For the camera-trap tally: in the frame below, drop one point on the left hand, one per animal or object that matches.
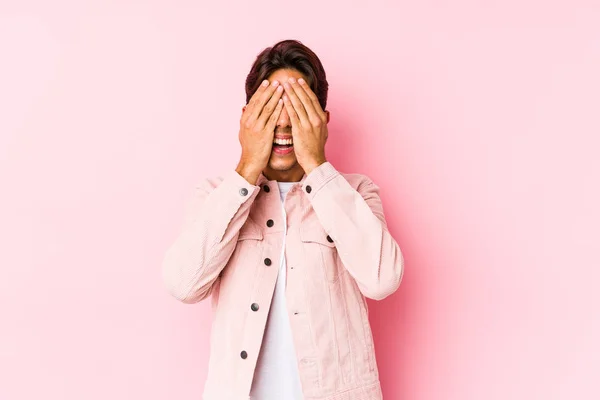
(309, 124)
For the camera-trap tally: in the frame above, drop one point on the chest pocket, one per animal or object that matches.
(321, 251)
(246, 252)
(250, 231)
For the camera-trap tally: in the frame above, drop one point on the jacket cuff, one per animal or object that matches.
(318, 177)
(238, 184)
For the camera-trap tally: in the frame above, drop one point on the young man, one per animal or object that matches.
(288, 248)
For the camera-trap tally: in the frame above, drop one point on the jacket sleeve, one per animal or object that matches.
(214, 215)
(355, 221)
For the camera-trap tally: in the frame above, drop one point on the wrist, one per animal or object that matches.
(248, 172)
(314, 164)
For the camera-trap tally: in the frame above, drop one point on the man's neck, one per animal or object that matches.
(292, 175)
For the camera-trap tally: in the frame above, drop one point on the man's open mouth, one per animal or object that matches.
(283, 147)
(283, 143)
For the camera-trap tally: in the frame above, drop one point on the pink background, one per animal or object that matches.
(480, 122)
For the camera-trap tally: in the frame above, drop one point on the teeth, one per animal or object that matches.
(283, 141)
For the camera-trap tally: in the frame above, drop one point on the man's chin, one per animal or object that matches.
(282, 165)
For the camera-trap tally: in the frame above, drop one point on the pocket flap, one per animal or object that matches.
(250, 231)
(315, 233)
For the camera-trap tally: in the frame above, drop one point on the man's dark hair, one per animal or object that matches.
(289, 54)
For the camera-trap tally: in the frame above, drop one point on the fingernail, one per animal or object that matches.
(265, 83)
(300, 80)
(292, 80)
(275, 83)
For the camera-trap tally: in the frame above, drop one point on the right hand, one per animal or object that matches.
(257, 128)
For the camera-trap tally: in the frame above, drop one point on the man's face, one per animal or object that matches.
(284, 167)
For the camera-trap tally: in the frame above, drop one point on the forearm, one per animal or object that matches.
(209, 236)
(356, 223)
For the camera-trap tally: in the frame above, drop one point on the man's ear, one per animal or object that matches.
(328, 116)
(243, 109)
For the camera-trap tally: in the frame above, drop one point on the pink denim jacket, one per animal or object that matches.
(338, 251)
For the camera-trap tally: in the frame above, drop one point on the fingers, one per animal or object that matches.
(314, 110)
(256, 96)
(291, 111)
(296, 102)
(260, 98)
(270, 106)
(270, 126)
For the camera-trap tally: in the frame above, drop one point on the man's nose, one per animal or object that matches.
(284, 119)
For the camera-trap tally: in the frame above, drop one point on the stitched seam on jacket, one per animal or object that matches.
(346, 320)
(366, 325)
(310, 327)
(334, 336)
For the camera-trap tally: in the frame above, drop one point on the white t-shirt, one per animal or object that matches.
(276, 376)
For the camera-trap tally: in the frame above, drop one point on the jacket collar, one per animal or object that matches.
(262, 179)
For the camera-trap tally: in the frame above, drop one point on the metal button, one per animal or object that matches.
(254, 307)
(267, 261)
(329, 239)
(270, 223)
(308, 188)
(243, 191)
(266, 188)
(243, 354)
